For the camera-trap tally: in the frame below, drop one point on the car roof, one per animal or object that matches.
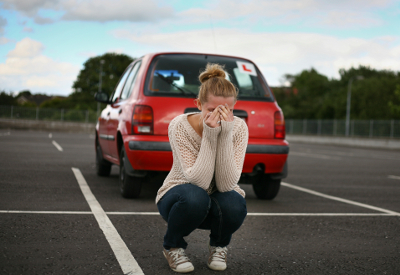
(150, 56)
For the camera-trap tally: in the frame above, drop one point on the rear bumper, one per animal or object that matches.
(156, 155)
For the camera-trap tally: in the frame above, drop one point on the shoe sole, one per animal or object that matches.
(216, 269)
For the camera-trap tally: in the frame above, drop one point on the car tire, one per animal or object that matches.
(103, 167)
(130, 186)
(266, 188)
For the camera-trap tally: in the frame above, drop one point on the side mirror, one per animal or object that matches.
(101, 97)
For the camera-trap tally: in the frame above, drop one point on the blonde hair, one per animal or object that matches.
(213, 82)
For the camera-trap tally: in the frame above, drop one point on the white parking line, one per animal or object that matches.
(394, 177)
(340, 199)
(158, 214)
(122, 253)
(5, 134)
(50, 135)
(46, 212)
(59, 148)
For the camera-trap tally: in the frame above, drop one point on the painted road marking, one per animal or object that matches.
(318, 156)
(46, 212)
(5, 134)
(339, 199)
(326, 154)
(158, 214)
(59, 148)
(122, 253)
(50, 135)
(394, 177)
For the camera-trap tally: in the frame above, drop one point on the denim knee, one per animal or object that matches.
(233, 207)
(192, 200)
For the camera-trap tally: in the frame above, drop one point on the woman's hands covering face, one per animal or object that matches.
(225, 113)
(212, 119)
(222, 112)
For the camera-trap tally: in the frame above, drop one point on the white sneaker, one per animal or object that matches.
(217, 258)
(178, 261)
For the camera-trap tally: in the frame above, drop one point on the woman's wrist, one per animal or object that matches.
(210, 132)
(227, 127)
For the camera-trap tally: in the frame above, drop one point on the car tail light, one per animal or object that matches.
(279, 127)
(142, 120)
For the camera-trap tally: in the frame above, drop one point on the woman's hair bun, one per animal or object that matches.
(211, 71)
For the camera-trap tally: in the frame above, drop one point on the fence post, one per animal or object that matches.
(391, 128)
(319, 127)
(352, 128)
(371, 128)
(62, 114)
(334, 127)
(291, 126)
(304, 126)
(12, 109)
(87, 116)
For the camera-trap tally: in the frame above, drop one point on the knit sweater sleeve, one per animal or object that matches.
(196, 166)
(231, 150)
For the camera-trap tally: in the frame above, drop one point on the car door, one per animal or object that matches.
(108, 140)
(117, 108)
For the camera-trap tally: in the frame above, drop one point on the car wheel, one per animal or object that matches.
(130, 187)
(103, 167)
(266, 188)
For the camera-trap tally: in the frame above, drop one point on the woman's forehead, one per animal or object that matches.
(214, 101)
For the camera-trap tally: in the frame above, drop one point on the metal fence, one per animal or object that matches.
(320, 127)
(17, 112)
(358, 128)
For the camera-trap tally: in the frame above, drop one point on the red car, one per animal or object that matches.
(132, 131)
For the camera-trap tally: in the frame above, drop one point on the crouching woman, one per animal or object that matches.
(201, 191)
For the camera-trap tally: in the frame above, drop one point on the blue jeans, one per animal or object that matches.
(187, 207)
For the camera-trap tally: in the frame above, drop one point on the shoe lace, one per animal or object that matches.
(179, 256)
(219, 253)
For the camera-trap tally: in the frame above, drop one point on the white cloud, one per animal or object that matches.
(4, 40)
(3, 23)
(279, 53)
(30, 7)
(27, 68)
(93, 10)
(337, 14)
(26, 48)
(117, 10)
(27, 29)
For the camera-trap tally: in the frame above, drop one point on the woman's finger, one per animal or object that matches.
(215, 114)
(227, 109)
(223, 114)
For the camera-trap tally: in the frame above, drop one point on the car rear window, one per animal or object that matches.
(177, 75)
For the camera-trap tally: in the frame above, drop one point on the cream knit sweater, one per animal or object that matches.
(220, 153)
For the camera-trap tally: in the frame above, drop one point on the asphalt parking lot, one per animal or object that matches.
(338, 212)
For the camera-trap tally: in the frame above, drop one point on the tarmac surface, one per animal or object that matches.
(338, 212)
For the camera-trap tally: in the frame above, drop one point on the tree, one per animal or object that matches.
(370, 96)
(376, 96)
(88, 80)
(394, 105)
(311, 97)
(7, 99)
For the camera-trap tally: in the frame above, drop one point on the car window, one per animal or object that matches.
(177, 75)
(121, 84)
(126, 92)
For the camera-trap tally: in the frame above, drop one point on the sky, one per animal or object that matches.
(44, 43)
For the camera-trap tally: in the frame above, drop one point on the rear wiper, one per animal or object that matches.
(171, 82)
